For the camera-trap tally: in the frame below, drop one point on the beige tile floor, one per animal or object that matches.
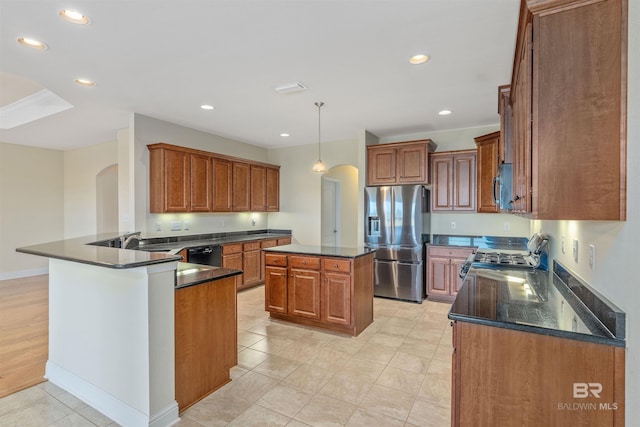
(396, 373)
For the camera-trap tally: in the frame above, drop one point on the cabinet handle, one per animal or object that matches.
(335, 266)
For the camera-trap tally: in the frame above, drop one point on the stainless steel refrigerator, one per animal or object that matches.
(397, 226)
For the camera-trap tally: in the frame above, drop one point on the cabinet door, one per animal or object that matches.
(177, 181)
(251, 267)
(222, 179)
(455, 280)
(412, 164)
(234, 261)
(303, 294)
(241, 186)
(464, 189)
(506, 115)
(258, 189)
(441, 183)
(201, 183)
(487, 168)
(381, 166)
(439, 276)
(521, 128)
(336, 298)
(275, 289)
(273, 190)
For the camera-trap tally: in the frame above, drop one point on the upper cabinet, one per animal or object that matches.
(453, 181)
(568, 110)
(187, 180)
(399, 163)
(488, 158)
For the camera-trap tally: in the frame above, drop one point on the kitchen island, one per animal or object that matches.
(112, 326)
(536, 348)
(324, 287)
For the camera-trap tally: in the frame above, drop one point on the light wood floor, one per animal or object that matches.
(24, 328)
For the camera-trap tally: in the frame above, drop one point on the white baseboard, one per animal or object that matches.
(119, 411)
(24, 273)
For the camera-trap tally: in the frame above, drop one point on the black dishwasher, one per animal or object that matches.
(208, 255)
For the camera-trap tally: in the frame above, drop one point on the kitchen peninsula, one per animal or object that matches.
(325, 287)
(113, 315)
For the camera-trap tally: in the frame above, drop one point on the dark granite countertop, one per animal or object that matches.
(163, 244)
(551, 303)
(83, 250)
(189, 274)
(485, 242)
(322, 251)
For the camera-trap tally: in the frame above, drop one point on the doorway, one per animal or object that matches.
(330, 225)
(107, 200)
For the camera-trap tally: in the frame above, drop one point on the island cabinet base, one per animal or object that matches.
(505, 377)
(331, 293)
(206, 339)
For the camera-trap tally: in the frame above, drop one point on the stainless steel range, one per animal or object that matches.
(535, 258)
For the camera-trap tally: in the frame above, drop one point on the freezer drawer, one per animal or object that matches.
(398, 280)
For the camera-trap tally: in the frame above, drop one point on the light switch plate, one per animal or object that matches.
(575, 250)
(176, 225)
(592, 257)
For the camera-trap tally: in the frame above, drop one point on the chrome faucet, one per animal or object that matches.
(125, 239)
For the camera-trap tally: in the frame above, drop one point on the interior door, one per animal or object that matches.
(330, 223)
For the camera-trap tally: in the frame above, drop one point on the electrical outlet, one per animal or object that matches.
(592, 257)
(176, 225)
(562, 245)
(507, 226)
(222, 223)
(575, 249)
(158, 226)
(453, 225)
(253, 221)
(186, 225)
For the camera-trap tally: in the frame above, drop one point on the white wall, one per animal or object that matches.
(615, 275)
(300, 189)
(350, 196)
(81, 166)
(31, 206)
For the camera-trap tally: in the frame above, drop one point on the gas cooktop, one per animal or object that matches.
(510, 259)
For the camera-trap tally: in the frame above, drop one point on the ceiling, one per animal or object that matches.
(164, 59)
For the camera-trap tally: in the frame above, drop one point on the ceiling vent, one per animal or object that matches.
(291, 87)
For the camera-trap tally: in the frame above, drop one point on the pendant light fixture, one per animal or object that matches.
(319, 165)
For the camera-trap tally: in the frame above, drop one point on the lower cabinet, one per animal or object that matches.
(248, 257)
(205, 339)
(506, 377)
(443, 268)
(327, 292)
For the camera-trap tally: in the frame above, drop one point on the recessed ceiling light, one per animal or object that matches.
(32, 43)
(284, 135)
(74, 16)
(85, 82)
(444, 112)
(419, 59)
(207, 107)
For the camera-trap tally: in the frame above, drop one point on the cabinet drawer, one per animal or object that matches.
(332, 264)
(268, 243)
(272, 259)
(232, 248)
(284, 241)
(448, 251)
(251, 246)
(307, 262)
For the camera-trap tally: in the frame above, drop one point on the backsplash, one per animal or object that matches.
(479, 224)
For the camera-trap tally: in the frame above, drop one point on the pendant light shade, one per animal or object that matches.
(319, 165)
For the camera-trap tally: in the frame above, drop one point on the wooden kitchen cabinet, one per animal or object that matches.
(273, 189)
(488, 157)
(232, 258)
(205, 339)
(303, 287)
(453, 181)
(504, 110)
(568, 110)
(222, 179)
(443, 268)
(325, 292)
(251, 264)
(182, 179)
(179, 181)
(240, 195)
(506, 377)
(399, 163)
